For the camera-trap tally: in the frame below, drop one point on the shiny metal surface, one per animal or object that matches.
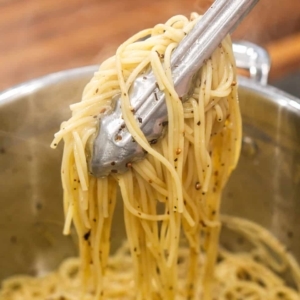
(254, 59)
(114, 147)
(265, 187)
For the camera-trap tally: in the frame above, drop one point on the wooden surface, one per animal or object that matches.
(43, 36)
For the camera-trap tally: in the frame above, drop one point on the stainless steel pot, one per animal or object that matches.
(264, 188)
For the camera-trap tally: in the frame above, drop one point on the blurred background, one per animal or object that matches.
(38, 37)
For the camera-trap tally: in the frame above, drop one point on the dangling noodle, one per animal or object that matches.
(170, 196)
(185, 174)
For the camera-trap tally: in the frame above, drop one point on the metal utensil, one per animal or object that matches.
(114, 146)
(264, 188)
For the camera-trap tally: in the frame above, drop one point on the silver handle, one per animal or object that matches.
(219, 20)
(253, 58)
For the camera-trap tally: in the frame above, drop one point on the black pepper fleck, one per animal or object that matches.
(13, 239)
(39, 206)
(87, 235)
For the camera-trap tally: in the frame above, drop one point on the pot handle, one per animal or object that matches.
(254, 59)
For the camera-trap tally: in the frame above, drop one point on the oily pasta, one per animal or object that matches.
(171, 198)
(254, 274)
(183, 173)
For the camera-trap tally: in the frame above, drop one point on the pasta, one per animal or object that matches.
(171, 198)
(183, 175)
(255, 274)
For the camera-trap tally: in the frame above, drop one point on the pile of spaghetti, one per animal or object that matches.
(171, 199)
(255, 274)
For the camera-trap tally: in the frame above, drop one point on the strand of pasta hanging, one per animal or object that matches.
(255, 274)
(184, 173)
(171, 199)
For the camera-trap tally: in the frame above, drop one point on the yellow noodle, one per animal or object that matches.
(171, 200)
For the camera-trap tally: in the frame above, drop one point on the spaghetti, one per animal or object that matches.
(255, 274)
(183, 174)
(170, 196)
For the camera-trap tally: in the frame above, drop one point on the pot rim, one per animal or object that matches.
(282, 98)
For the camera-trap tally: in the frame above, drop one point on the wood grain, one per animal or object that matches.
(40, 37)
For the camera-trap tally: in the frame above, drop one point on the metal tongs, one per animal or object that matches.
(115, 155)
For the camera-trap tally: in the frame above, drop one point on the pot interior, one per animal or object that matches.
(264, 188)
